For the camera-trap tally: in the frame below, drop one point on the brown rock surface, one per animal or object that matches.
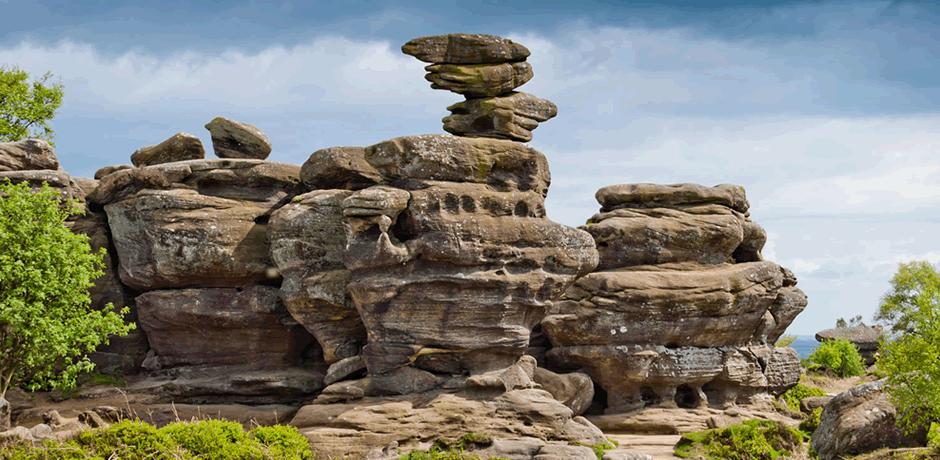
(861, 420)
(465, 49)
(308, 243)
(29, 154)
(99, 174)
(663, 196)
(512, 116)
(479, 80)
(339, 168)
(180, 147)
(232, 139)
(217, 326)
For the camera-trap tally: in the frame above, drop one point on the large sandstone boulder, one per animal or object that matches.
(460, 244)
(860, 420)
(59, 181)
(217, 326)
(30, 154)
(512, 116)
(197, 223)
(866, 338)
(308, 244)
(339, 168)
(232, 139)
(180, 147)
(682, 308)
(465, 49)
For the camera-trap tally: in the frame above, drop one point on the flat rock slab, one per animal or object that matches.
(664, 196)
(30, 154)
(465, 49)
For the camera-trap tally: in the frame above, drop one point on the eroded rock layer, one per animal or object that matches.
(682, 309)
(454, 262)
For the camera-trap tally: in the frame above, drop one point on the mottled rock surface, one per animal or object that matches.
(512, 116)
(180, 147)
(479, 80)
(463, 245)
(465, 49)
(29, 154)
(860, 420)
(339, 168)
(308, 244)
(233, 139)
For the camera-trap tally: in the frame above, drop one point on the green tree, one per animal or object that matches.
(911, 358)
(46, 323)
(856, 321)
(23, 106)
(840, 356)
(916, 285)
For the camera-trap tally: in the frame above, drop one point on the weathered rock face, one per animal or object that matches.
(232, 139)
(339, 168)
(866, 338)
(196, 223)
(465, 49)
(669, 317)
(511, 116)
(860, 420)
(308, 244)
(30, 154)
(463, 245)
(180, 147)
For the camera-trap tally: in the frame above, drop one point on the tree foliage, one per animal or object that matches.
(856, 321)
(24, 106)
(46, 323)
(911, 359)
(840, 356)
(914, 287)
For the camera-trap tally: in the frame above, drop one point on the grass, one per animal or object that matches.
(794, 395)
(751, 440)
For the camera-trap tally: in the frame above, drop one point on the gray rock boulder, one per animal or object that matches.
(180, 147)
(860, 420)
(29, 154)
(232, 139)
(339, 168)
(510, 116)
(5, 410)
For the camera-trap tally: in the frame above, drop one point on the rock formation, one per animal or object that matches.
(681, 308)
(866, 338)
(180, 147)
(485, 69)
(231, 139)
(860, 420)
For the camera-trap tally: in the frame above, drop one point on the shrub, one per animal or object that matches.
(809, 424)
(794, 395)
(444, 449)
(840, 356)
(751, 440)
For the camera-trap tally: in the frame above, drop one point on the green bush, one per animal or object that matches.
(809, 424)
(204, 440)
(751, 440)
(840, 356)
(794, 395)
(444, 449)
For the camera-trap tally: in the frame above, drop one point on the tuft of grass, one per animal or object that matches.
(599, 448)
(794, 395)
(751, 440)
(811, 422)
(444, 449)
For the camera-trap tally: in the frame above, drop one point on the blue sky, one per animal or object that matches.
(828, 113)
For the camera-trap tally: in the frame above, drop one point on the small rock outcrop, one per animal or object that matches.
(485, 69)
(27, 155)
(682, 310)
(180, 147)
(860, 420)
(866, 338)
(232, 139)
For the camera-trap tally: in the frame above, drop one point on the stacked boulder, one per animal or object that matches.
(191, 239)
(682, 309)
(866, 338)
(486, 70)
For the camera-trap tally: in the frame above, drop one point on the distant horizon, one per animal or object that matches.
(826, 112)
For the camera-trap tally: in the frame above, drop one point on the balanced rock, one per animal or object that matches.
(866, 338)
(29, 154)
(511, 116)
(465, 49)
(339, 168)
(479, 80)
(457, 242)
(308, 244)
(180, 147)
(232, 139)
(859, 420)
